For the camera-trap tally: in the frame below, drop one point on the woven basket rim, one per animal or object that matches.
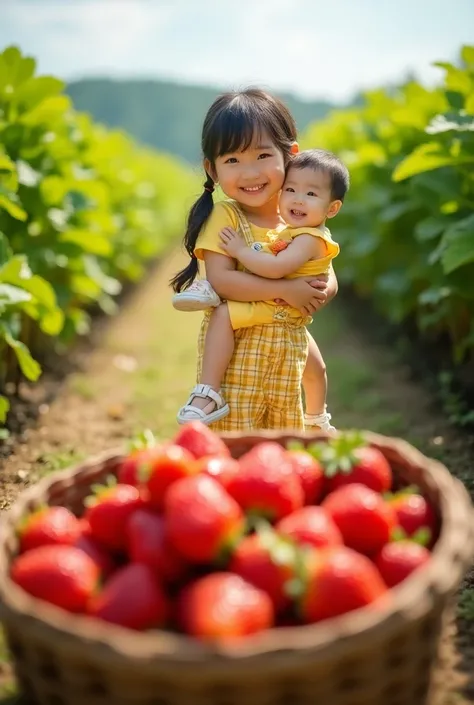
(415, 596)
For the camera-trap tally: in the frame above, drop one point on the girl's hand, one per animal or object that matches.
(307, 294)
(232, 242)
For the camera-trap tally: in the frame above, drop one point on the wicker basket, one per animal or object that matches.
(369, 657)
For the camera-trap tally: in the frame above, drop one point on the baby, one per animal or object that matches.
(315, 185)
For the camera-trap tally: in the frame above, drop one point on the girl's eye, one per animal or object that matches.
(231, 160)
(311, 193)
(289, 189)
(265, 155)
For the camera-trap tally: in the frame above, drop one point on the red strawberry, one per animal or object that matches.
(338, 580)
(62, 575)
(94, 550)
(108, 512)
(49, 525)
(202, 520)
(223, 606)
(266, 484)
(129, 472)
(363, 517)
(220, 468)
(348, 458)
(397, 560)
(269, 563)
(414, 514)
(311, 526)
(310, 472)
(164, 466)
(131, 598)
(200, 441)
(148, 544)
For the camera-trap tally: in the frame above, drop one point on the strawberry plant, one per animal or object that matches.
(82, 209)
(407, 227)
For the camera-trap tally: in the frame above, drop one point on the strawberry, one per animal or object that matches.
(199, 440)
(397, 560)
(164, 466)
(108, 511)
(266, 484)
(348, 458)
(220, 468)
(131, 598)
(223, 606)
(363, 517)
(268, 562)
(338, 580)
(311, 526)
(415, 516)
(203, 521)
(141, 446)
(147, 544)
(310, 472)
(94, 550)
(49, 525)
(62, 575)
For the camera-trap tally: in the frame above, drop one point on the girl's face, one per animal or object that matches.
(254, 176)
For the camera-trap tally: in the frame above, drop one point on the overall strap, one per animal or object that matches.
(243, 224)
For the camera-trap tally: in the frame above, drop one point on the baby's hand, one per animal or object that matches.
(232, 242)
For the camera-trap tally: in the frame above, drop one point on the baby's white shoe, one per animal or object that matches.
(197, 297)
(320, 422)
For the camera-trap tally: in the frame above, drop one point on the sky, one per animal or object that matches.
(327, 49)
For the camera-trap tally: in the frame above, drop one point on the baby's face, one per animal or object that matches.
(305, 198)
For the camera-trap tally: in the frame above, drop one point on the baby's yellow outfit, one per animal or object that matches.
(255, 313)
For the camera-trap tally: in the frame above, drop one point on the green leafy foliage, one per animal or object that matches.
(82, 209)
(407, 227)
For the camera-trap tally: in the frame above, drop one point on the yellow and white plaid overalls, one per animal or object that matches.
(262, 384)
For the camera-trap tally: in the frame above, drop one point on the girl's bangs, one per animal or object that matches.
(236, 129)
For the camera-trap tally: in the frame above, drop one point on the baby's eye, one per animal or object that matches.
(231, 160)
(265, 155)
(311, 193)
(289, 189)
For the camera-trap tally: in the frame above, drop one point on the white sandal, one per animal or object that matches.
(192, 413)
(200, 296)
(322, 421)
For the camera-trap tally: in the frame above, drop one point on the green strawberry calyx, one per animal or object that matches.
(99, 490)
(142, 440)
(287, 553)
(422, 536)
(337, 455)
(407, 491)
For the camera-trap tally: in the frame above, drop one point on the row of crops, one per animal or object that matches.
(407, 228)
(82, 209)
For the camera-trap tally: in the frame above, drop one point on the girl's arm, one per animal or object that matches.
(304, 294)
(332, 285)
(302, 249)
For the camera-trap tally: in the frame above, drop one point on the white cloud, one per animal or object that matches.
(327, 49)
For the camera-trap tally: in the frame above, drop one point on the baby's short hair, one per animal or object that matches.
(322, 160)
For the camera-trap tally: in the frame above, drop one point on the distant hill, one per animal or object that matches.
(165, 115)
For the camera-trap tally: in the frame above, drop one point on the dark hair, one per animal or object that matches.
(327, 162)
(231, 124)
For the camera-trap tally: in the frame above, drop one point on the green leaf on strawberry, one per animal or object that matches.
(142, 440)
(337, 454)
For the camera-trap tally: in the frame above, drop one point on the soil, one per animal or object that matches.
(137, 369)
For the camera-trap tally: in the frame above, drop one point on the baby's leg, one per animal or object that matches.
(314, 380)
(218, 351)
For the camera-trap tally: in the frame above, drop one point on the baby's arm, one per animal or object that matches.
(301, 250)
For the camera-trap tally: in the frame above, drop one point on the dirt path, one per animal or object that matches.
(142, 369)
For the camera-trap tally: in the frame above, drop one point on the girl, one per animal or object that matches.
(247, 141)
